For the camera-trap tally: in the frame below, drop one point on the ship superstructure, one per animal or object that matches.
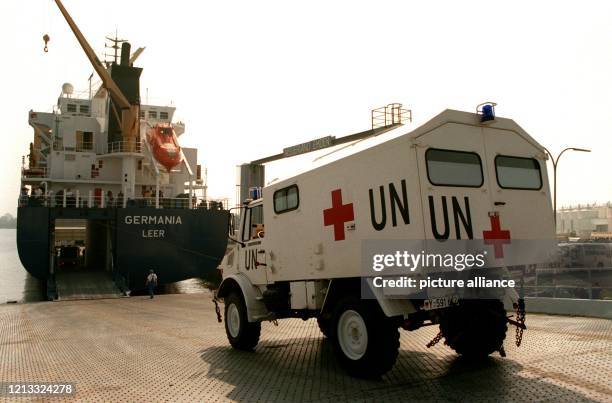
(73, 154)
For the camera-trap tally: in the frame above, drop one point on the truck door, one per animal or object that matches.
(519, 186)
(252, 256)
(521, 228)
(454, 182)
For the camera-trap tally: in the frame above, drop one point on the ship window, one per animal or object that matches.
(84, 141)
(87, 140)
(71, 108)
(84, 108)
(163, 115)
(453, 168)
(286, 199)
(518, 173)
(142, 114)
(69, 157)
(152, 115)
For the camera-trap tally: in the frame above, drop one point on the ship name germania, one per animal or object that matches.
(152, 219)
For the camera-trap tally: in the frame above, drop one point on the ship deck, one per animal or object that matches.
(171, 348)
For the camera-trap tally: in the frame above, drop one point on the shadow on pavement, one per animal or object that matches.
(305, 370)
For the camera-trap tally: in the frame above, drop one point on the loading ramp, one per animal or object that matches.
(85, 284)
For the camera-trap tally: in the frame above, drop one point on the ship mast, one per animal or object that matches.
(127, 115)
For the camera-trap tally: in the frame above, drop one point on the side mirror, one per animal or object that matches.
(232, 230)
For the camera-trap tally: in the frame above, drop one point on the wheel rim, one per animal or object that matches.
(233, 320)
(352, 335)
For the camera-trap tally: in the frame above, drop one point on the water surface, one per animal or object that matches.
(15, 283)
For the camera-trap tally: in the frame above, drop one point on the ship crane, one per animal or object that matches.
(126, 113)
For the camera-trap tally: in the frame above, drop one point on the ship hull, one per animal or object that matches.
(128, 242)
(33, 240)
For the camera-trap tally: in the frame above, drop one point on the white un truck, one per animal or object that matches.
(298, 249)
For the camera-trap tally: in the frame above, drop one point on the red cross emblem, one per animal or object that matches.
(496, 236)
(338, 214)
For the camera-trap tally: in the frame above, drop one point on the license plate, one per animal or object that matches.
(439, 303)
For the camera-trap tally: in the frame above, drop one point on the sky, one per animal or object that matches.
(252, 77)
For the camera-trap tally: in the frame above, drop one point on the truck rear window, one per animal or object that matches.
(453, 168)
(518, 173)
(286, 199)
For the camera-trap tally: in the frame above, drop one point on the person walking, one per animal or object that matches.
(151, 283)
(109, 201)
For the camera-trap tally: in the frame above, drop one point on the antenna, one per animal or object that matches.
(115, 45)
(89, 79)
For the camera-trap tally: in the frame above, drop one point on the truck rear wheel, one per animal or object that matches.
(475, 328)
(365, 341)
(242, 334)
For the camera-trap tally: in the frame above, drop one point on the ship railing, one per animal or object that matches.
(92, 201)
(108, 148)
(179, 203)
(79, 147)
(122, 147)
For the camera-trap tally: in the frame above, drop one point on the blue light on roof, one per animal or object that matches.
(488, 113)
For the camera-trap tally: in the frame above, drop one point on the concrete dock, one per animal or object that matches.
(172, 349)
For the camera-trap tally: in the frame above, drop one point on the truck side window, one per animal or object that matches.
(286, 199)
(453, 168)
(518, 173)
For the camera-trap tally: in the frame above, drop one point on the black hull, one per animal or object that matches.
(177, 243)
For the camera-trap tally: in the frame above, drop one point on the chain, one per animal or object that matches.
(520, 318)
(435, 340)
(217, 310)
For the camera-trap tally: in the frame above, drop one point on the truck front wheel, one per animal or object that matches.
(365, 341)
(242, 334)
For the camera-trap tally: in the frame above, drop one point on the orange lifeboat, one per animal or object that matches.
(164, 144)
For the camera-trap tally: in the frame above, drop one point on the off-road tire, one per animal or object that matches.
(382, 339)
(475, 328)
(248, 333)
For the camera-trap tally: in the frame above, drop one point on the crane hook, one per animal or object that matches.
(46, 39)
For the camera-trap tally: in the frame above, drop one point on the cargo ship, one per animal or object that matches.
(108, 193)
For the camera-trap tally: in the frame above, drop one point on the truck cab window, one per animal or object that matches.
(518, 173)
(453, 168)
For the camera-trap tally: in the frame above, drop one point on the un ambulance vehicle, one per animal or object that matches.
(298, 248)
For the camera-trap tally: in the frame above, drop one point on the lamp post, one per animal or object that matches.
(555, 162)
